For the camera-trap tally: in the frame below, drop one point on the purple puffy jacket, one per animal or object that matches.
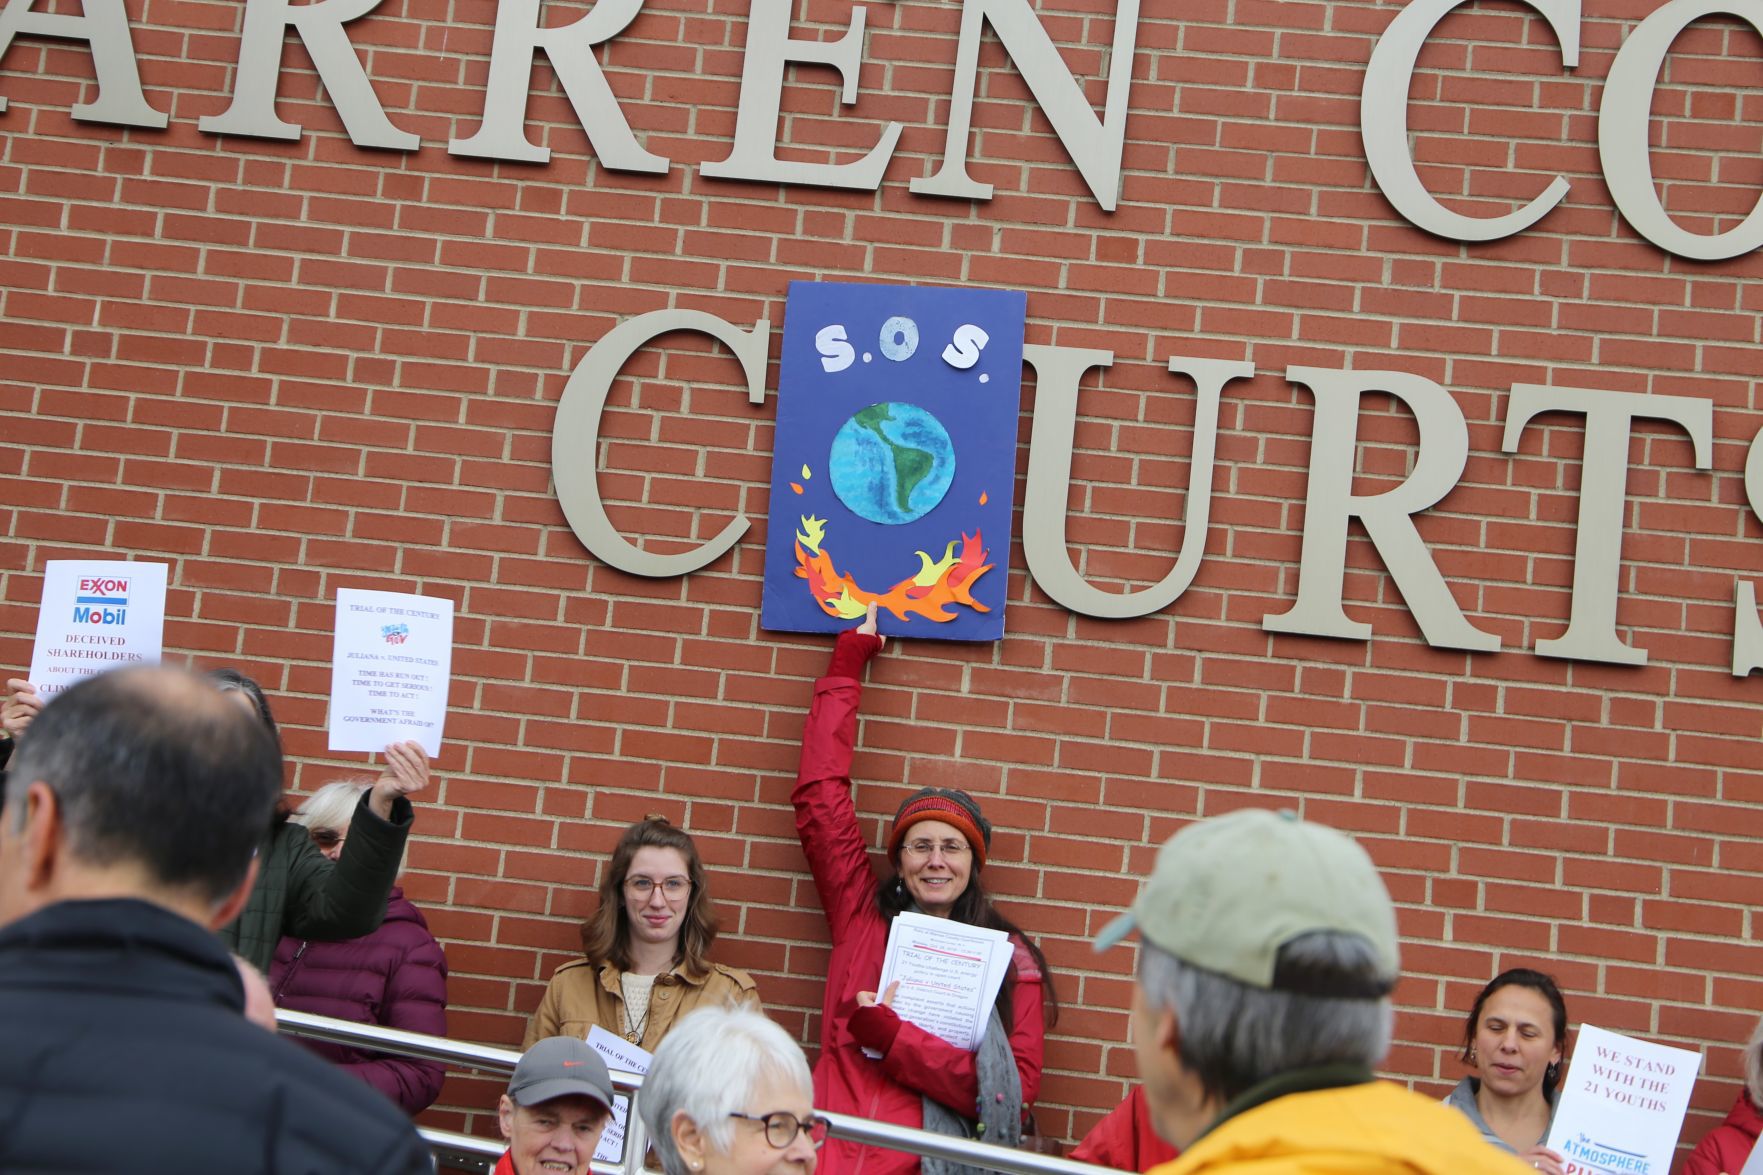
(396, 977)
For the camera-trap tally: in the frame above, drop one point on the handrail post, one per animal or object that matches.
(636, 1138)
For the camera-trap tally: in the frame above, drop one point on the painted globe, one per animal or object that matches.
(891, 463)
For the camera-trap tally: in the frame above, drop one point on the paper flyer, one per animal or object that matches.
(1622, 1105)
(949, 975)
(391, 662)
(621, 1057)
(96, 615)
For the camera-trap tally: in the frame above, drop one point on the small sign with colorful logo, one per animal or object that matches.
(391, 664)
(96, 616)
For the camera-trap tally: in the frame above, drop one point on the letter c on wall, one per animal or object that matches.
(575, 436)
(1383, 122)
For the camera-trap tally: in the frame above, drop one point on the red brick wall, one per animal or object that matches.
(289, 368)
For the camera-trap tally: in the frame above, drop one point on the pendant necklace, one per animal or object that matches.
(634, 1032)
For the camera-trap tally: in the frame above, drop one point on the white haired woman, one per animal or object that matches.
(1725, 1149)
(396, 976)
(729, 1094)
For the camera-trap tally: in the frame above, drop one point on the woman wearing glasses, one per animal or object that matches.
(395, 976)
(647, 948)
(873, 1063)
(729, 1094)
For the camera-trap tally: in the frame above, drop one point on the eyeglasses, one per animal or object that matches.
(326, 838)
(672, 888)
(951, 849)
(781, 1127)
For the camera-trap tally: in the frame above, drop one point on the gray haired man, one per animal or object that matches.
(1266, 961)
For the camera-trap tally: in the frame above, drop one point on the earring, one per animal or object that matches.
(1553, 1073)
(1473, 1059)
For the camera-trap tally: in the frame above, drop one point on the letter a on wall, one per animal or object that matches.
(893, 476)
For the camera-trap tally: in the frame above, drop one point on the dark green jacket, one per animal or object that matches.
(300, 891)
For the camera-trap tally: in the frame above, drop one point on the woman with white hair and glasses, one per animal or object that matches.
(729, 1094)
(395, 976)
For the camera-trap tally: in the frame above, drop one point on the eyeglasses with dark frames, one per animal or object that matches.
(781, 1127)
(326, 838)
(672, 888)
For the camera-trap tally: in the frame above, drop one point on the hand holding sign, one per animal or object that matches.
(21, 705)
(406, 773)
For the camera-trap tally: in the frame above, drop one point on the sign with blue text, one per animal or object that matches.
(893, 476)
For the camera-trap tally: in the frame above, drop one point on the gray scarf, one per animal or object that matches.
(999, 1107)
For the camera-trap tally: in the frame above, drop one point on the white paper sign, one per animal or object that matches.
(1754, 1164)
(96, 616)
(621, 1057)
(391, 663)
(1622, 1105)
(949, 975)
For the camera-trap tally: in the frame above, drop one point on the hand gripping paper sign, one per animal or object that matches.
(1622, 1105)
(893, 475)
(391, 662)
(96, 616)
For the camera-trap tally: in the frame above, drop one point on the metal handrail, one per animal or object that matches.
(488, 1059)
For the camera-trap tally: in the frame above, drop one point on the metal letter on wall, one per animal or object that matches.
(753, 156)
(320, 27)
(1624, 121)
(1603, 496)
(1044, 546)
(569, 48)
(104, 26)
(1383, 122)
(575, 436)
(1747, 630)
(1439, 459)
(1094, 144)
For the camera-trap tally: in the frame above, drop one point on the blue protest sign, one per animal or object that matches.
(893, 475)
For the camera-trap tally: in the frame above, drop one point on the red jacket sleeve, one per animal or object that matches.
(1722, 1151)
(826, 819)
(932, 1066)
(1125, 1139)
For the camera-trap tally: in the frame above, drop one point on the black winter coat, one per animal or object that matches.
(124, 1048)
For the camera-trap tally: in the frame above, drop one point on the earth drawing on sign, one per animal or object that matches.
(891, 463)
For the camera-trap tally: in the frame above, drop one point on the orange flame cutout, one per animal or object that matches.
(982, 497)
(795, 487)
(939, 584)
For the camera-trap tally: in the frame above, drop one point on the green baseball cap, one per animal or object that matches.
(1228, 892)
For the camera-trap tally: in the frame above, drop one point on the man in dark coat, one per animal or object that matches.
(130, 821)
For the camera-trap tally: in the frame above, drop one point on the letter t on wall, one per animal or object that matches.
(1603, 496)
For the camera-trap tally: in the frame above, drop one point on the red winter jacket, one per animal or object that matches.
(395, 977)
(1724, 1149)
(914, 1063)
(1125, 1140)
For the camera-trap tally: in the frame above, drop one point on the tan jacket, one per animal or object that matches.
(581, 996)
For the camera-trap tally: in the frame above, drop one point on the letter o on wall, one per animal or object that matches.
(1625, 117)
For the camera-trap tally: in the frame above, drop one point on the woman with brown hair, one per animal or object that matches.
(646, 949)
